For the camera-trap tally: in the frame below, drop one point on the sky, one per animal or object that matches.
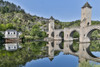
(63, 10)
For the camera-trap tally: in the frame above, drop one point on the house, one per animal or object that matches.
(12, 35)
(12, 46)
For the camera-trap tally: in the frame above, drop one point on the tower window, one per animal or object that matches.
(88, 24)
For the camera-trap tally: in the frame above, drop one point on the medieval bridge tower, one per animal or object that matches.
(85, 29)
(86, 12)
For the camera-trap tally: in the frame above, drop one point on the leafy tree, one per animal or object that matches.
(37, 33)
(35, 30)
(1, 36)
(9, 26)
(2, 27)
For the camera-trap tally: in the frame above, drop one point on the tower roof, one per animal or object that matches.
(51, 18)
(87, 5)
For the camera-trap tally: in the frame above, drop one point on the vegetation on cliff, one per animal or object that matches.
(14, 17)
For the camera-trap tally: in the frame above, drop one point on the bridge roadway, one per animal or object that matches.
(84, 33)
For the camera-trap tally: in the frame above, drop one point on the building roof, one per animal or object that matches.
(51, 18)
(10, 30)
(51, 59)
(87, 5)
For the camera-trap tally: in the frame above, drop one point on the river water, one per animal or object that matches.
(45, 54)
(59, 61)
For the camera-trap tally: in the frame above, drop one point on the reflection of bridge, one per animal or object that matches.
(85, 29)
(82, 53)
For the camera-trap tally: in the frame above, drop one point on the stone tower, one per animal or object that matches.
(51, 27)
(86, 15)
(85, 21)
(51, 24)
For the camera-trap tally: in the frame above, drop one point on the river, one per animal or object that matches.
(49, 54)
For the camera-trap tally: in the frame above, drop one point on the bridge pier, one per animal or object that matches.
(67, 36)
(57, 45)
(50, 50)
(84, 51)
(66, 49)
(84, 40)
(58, 34)
(57, 37)
(83, 35)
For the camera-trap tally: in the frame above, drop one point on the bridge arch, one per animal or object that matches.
(89, 52)
(61, 34)
(74, 34)
(52, 34)
(90, 30)
(74, 31)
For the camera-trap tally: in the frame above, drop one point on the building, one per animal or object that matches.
(12, 46)
(12, 35)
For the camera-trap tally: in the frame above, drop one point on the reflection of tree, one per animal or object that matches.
(33, 50)
(75, 46)
(95, 45)
(87, 64)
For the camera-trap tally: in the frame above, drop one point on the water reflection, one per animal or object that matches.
(12, 46)
(62, 53)
(83, 52)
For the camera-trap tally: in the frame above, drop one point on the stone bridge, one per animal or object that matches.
(85, 29)
(83, 52)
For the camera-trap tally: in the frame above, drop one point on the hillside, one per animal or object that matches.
(72, 24)
(13, 17)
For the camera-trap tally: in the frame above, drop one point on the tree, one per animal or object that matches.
(37, 33)
(9, 26)
(1, 36)
(35, 30)
(2, 27)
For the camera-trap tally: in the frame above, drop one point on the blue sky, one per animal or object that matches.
(64, 10)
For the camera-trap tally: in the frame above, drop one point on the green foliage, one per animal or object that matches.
(13, 17)
(1, 36)
(95, 45)
(85, 64)
(67, 24)
(95, 34)
(37, 33)
(4, 27)
(30, 50)
(96, 65)
(9, 26)
(95, 22)
(9, 7)
(75, 35)
(75, 46)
